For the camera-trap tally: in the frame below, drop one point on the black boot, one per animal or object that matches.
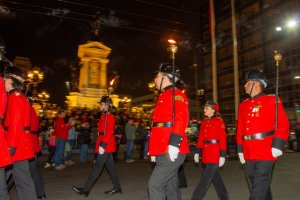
(113, 191)
(80, 191)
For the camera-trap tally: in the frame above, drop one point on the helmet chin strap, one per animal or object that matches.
(251, 89)
(162, 79)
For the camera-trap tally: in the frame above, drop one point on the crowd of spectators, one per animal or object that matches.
(83, 135)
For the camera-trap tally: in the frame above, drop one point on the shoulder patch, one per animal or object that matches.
(17, 94)
(223, 126)
(180, 98)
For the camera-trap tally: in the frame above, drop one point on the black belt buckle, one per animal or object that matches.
(211, 141)
(162, 124)
(101, 133)
(26, 128)
(258, 136)
(1, 120)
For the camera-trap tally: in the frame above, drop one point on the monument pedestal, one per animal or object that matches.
(93, 76)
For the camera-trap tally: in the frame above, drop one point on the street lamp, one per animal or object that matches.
(35, 76)
(43, 97)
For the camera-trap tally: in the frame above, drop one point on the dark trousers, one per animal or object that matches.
(163, 182)
(107, 160)
(210, 173)
(181, 178)
(259, 175)
(3, 188)
(51, 150)
(36, 176)
(23, 180)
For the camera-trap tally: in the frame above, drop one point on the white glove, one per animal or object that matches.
(221, 161)
(173, 153)
(276, 152)
(101, 150)
(242, 159)
(196, 157)
(153, 159)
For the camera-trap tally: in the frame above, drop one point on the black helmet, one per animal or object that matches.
(15, 73)
(167, 68)
(257, 75)
(106, 99)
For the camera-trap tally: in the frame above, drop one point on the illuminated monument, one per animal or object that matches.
(93, 76)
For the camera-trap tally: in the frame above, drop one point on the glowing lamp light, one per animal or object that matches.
(278, 28)
(112, 82)
(297, 77)
(171, 41)
(291, 23)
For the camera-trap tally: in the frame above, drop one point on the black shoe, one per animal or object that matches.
(113, 191)
(42, 197)
(80, 191)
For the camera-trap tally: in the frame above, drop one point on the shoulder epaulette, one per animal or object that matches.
(180, 98)
(17, 94)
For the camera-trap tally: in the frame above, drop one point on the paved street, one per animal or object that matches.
(134, 177)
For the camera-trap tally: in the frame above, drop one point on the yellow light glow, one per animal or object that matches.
(171, 41)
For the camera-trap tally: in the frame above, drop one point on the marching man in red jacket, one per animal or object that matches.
(168, 141)
(258, 143)
(211, 147)
(105, 146)
(5, 159)
(33, 163)
(17, 123)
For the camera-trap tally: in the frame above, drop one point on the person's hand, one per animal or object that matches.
(12, 150)
(153, 159)
(221, 161)
(101, 150)
(196, 157)
(276, 152)
(173, 152)
(241, 157)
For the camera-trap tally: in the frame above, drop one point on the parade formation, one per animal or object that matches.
(261, 128)
(262, 132)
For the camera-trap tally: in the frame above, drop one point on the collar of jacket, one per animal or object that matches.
(258, 95)
(166, 88)
(14, 89)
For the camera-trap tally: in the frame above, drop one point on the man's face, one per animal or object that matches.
(63, 114)
(103, 107)
(248, 86)
(158, 79)
(208, 111)
(8, 84)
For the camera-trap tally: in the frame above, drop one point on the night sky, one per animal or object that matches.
(49, 32)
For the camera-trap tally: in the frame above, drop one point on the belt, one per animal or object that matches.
(34, 132)
(258, 136)
(211, 141)
(101, 133)
(162, 124)
(26, 128)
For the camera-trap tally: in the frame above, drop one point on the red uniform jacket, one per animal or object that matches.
(106, 138)
(17, 121)
(61, 128)
(161, 137)
(34, 128)
(257, 115)
(4, 153)
(212, 129)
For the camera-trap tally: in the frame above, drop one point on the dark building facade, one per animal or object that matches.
(262, 28)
